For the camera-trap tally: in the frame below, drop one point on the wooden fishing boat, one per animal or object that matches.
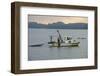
(76, 44)
(63, 42)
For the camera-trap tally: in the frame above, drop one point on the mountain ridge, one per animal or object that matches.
(58, 25)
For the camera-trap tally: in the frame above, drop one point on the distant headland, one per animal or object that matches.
(58, 25)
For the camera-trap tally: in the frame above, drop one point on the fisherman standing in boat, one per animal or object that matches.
(58, 40)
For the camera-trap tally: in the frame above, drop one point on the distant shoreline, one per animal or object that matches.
(57, 28)
(58, 25)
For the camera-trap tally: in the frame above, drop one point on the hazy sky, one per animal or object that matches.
(53, 19)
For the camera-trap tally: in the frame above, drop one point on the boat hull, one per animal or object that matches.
(65, 45)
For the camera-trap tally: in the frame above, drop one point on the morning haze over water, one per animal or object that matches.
(40, 28)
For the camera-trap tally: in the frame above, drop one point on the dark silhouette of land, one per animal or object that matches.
(58, 25)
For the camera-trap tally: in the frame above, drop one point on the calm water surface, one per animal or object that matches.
(38, 36)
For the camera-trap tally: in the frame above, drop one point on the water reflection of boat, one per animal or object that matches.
(63, 42)
(36, 45)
